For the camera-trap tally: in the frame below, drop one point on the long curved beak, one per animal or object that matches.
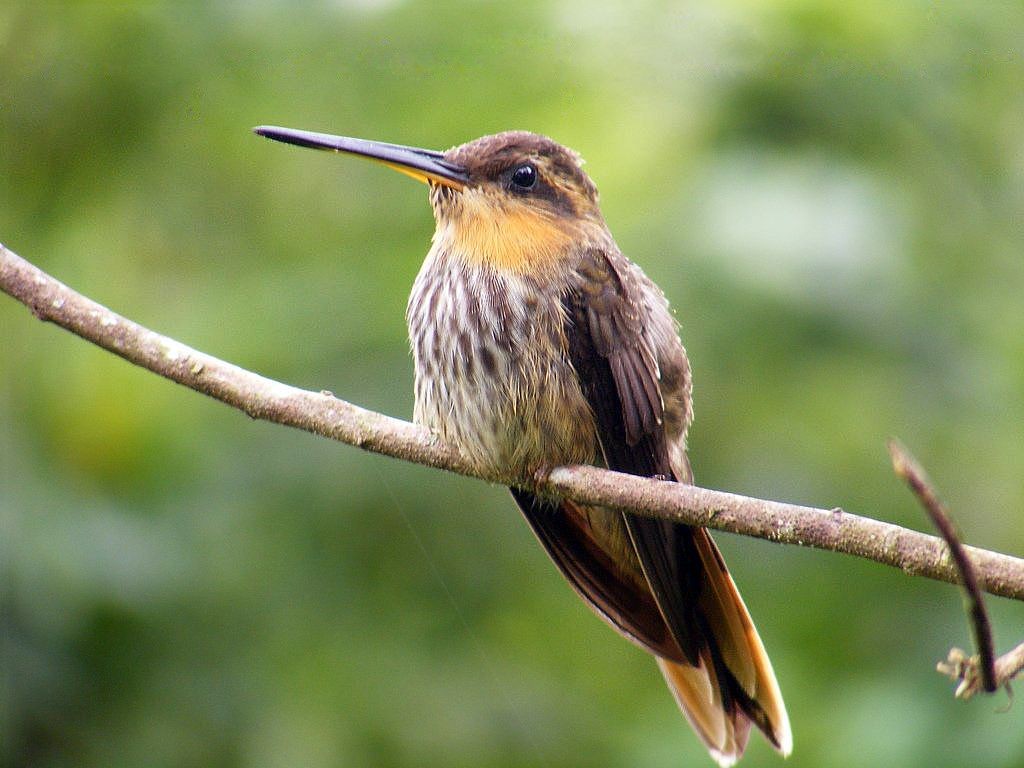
(421, 164)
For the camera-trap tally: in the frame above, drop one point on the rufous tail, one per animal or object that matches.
(734, 685)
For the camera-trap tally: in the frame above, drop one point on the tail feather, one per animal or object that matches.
(738, 662)
(698, 695)
(731, 686)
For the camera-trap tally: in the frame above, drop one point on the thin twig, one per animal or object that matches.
(907, 467)
(322, 414)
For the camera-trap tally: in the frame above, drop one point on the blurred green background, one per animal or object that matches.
(831, 195)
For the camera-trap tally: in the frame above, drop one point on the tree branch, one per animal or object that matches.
(322, 414)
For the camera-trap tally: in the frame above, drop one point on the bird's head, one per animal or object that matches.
(514, 201)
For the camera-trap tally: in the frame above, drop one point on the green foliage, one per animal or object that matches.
(831, 195)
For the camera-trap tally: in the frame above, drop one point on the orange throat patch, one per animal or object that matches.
(509, 236)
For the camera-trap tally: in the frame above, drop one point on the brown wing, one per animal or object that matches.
(618, 373)
(615, 364)
(685, 607)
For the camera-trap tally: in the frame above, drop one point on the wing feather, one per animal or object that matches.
(724, 682)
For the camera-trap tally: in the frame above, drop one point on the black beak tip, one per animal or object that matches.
(291, 136)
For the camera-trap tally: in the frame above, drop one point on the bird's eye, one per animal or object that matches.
(524, 177)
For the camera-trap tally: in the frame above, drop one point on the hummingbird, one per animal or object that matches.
(537, 343)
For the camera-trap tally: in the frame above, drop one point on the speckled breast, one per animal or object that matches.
(492, 371)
